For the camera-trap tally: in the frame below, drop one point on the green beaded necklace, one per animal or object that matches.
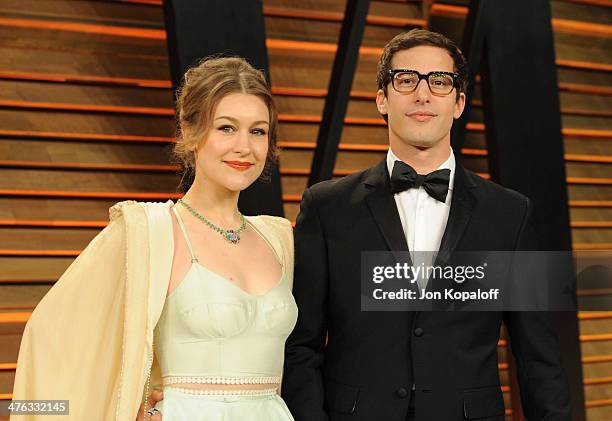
(233, 236)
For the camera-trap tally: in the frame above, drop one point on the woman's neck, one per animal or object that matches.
(218, 204)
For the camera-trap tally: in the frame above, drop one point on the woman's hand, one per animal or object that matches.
(152, 399)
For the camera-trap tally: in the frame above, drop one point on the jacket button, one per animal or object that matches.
(418, 331)
(401, 392)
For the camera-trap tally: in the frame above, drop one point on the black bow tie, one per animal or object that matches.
(405, 177)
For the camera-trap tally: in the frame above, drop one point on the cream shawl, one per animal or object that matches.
(90, 339)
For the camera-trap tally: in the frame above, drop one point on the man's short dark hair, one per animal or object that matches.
(415, 38)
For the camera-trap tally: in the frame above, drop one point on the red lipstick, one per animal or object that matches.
(239, 165)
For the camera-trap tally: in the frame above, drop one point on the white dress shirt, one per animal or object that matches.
(423, 217)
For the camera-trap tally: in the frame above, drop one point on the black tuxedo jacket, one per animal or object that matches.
(342, 363)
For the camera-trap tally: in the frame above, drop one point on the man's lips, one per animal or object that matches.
(239, 165)
(422, 115)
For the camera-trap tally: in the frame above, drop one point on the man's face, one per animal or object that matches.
(420, 119)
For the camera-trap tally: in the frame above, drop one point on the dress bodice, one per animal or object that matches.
(212, 331)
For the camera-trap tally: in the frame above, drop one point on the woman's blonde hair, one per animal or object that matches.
(202, 88)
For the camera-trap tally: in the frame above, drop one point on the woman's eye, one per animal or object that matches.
(227, 129)
(259, 132)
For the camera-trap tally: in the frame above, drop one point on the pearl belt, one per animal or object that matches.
(221, 380)
(241, 392)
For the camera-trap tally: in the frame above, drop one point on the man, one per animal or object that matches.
(343, 363)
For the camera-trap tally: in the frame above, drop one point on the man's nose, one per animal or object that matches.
(422, 92)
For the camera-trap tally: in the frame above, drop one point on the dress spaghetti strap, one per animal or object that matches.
(184, 231)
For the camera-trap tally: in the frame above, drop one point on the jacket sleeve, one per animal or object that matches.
(534, 342)
(302, 387)
(71, 345)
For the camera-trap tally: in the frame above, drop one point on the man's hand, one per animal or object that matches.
(152, 399)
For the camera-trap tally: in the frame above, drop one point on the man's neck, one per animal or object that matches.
(422, 160)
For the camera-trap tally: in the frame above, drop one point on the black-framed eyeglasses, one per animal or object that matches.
(440, 83)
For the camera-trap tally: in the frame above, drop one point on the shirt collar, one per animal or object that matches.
(449, 163)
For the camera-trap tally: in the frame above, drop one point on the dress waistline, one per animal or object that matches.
(169, 380)
(238, 392)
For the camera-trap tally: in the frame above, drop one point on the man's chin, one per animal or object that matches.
(418, 139)
(421, 144)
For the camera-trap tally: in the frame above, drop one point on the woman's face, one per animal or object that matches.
(233, 153)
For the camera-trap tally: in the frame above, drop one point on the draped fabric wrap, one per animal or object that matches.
(90, 339)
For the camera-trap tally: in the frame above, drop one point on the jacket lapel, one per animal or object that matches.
(384, 210)
(462, 205)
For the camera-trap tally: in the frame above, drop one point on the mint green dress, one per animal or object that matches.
(212, 331)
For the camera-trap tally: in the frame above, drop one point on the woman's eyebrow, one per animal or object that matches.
(236, 120)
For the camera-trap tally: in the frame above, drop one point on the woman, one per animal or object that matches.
(191, 296)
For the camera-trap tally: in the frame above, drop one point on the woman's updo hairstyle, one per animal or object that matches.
(202, 88)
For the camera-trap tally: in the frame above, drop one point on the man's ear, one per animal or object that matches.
(381, 102)
(459, 106)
